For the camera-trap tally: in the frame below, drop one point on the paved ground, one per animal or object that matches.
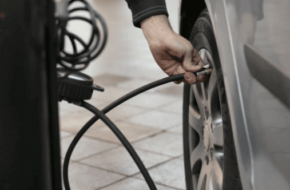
(151, 121)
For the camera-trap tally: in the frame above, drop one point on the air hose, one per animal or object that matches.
(115, 130)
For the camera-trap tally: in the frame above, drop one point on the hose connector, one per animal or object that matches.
(206, 70)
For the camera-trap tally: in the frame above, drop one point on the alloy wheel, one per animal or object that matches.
(206, 132)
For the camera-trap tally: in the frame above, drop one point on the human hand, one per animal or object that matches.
(173, 53)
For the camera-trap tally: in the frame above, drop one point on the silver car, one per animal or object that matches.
(237, 124)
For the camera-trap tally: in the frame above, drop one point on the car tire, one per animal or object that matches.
(209, 152)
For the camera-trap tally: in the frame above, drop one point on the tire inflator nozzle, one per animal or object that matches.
(204, 71)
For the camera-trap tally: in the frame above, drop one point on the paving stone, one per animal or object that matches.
(124, 111)
(110, 94)
(165, 143)
(73, 122)
(173, 90)
(134, 184)
(170, 174)
(85, 147)
(119, 160)
(175, 107)
(85, 177)
(67, 107)
(134, 84)
(64, 134)
(177, 129)
(132, 132)
(71, 108)
(157, 119)
(108, 79)
(150, 100)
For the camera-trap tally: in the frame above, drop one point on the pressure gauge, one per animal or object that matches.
(75, 86)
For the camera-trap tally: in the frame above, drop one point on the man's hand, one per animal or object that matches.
(173, 53)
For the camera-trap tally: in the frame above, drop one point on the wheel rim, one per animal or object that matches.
(206, 132)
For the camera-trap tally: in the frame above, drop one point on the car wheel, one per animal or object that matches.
(209, 151)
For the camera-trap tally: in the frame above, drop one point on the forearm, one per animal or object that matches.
(156, 28)
(173, 53)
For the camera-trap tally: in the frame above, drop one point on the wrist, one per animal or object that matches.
(156, 28)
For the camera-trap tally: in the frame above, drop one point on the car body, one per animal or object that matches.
(253, 39)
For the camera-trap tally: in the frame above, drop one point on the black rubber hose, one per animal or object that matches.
(124, 141)
(106, 110)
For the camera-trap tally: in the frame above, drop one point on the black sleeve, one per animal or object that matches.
(142, 9)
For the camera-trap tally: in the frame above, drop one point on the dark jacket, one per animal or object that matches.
(142, 9)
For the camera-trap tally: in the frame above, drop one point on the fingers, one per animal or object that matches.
(189, 64)
(196, 58)
(192, 61)
(178, 81)
(190, 78)
(180, 70)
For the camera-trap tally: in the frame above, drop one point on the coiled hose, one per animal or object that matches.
(79, 60)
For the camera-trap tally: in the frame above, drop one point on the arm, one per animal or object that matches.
(173, 53)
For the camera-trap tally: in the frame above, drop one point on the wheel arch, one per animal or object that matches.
(189, 13)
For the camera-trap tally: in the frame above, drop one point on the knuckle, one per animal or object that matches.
(179, 68)
(187, 66)
(201, 62)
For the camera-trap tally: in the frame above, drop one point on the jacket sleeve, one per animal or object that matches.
(142, 9)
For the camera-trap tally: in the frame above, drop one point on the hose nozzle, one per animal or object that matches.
(206, 70)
